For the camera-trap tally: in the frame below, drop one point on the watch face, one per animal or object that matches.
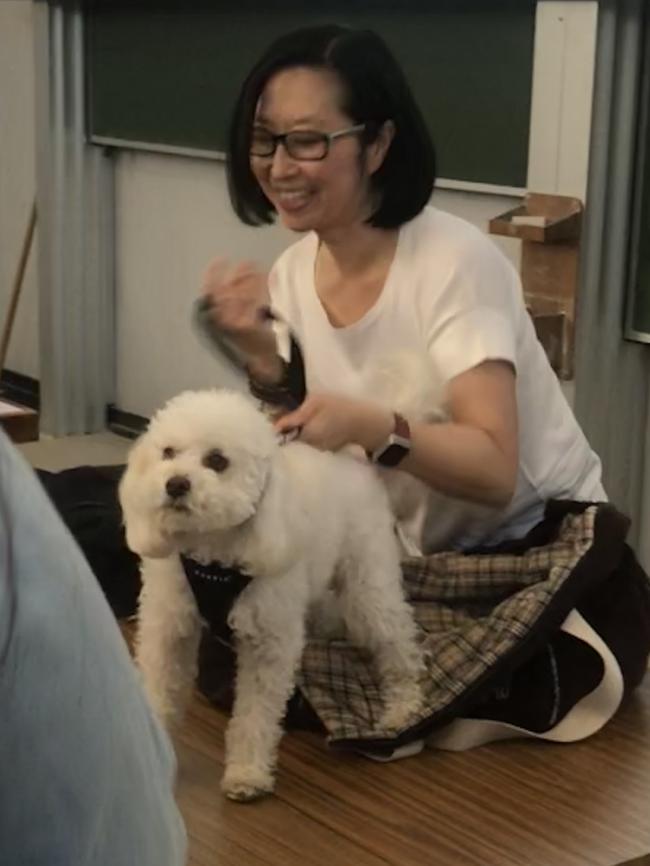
(392, 454)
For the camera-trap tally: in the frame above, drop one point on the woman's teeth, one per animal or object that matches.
(292, 196)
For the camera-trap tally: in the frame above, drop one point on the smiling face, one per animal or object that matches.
(321, 195)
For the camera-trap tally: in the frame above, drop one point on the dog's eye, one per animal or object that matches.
(168, 454)
(216, 461)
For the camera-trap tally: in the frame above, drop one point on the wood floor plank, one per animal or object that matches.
(511, 804)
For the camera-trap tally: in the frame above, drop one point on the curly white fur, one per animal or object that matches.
(304, 523)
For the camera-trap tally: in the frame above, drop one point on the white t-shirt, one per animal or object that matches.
(451, 300)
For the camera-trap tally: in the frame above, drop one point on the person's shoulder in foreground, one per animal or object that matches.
(87, 773)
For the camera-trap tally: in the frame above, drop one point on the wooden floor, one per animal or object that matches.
(511, 804)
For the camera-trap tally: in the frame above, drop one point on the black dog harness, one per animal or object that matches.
(216, 588)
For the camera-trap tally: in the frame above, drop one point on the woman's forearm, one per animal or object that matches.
(463, 462)
(459, 460)
(475, 456)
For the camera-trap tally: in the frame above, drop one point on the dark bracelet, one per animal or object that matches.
(274, 393)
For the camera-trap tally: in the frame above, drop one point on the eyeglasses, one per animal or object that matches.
(301, 144)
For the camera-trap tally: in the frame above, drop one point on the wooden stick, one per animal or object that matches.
(17, 286)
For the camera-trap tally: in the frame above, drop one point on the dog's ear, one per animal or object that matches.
(142, 535)
(145, 541)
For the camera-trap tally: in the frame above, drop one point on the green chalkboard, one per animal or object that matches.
(166, 72)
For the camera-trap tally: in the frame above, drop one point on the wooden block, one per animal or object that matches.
(550, 273)
(555, 333)
(19, 422)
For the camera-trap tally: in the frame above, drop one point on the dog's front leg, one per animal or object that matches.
(270, 633)
(169, 629)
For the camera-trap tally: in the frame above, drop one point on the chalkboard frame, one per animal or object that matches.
(636, 326)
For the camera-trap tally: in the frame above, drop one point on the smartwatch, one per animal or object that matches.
(396, 447)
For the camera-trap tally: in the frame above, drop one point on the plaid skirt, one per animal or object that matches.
(541, 637)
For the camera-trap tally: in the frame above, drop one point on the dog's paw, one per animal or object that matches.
(395, 719)
(402, 706)
(245, 782)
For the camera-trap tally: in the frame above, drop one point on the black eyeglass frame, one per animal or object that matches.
(327, 138)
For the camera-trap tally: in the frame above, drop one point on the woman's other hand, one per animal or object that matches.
(239, 301)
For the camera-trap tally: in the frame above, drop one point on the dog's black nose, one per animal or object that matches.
(177, 486)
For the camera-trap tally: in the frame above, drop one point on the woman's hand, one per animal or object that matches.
(239, 300)
(331, 422)
(473, 456)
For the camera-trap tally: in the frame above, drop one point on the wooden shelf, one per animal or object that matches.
(19, 423)
(549, 268)
(562, 219)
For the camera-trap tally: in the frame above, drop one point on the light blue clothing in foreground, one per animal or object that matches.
(86, 773)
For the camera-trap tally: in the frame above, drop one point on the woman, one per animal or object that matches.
(327, 136)
(390, 299)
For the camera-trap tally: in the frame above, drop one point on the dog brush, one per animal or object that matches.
(223, 346)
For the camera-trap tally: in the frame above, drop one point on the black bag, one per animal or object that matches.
(86, 499)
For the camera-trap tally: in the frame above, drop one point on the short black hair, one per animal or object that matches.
(375, 91)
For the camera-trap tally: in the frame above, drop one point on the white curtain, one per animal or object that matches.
(612, 381)
(76, 212)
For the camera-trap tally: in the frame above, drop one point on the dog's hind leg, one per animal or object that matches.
(169, 629)
(379, 619)
(269, 626)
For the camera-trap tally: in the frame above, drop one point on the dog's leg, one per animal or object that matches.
(169, 629)
(268, 622)
(379, 618)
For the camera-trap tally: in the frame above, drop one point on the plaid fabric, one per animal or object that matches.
(478, 613)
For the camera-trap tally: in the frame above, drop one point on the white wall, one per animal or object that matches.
(172, 218)
(565, 51)
(17, 178)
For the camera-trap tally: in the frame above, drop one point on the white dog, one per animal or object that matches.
(210, 480)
